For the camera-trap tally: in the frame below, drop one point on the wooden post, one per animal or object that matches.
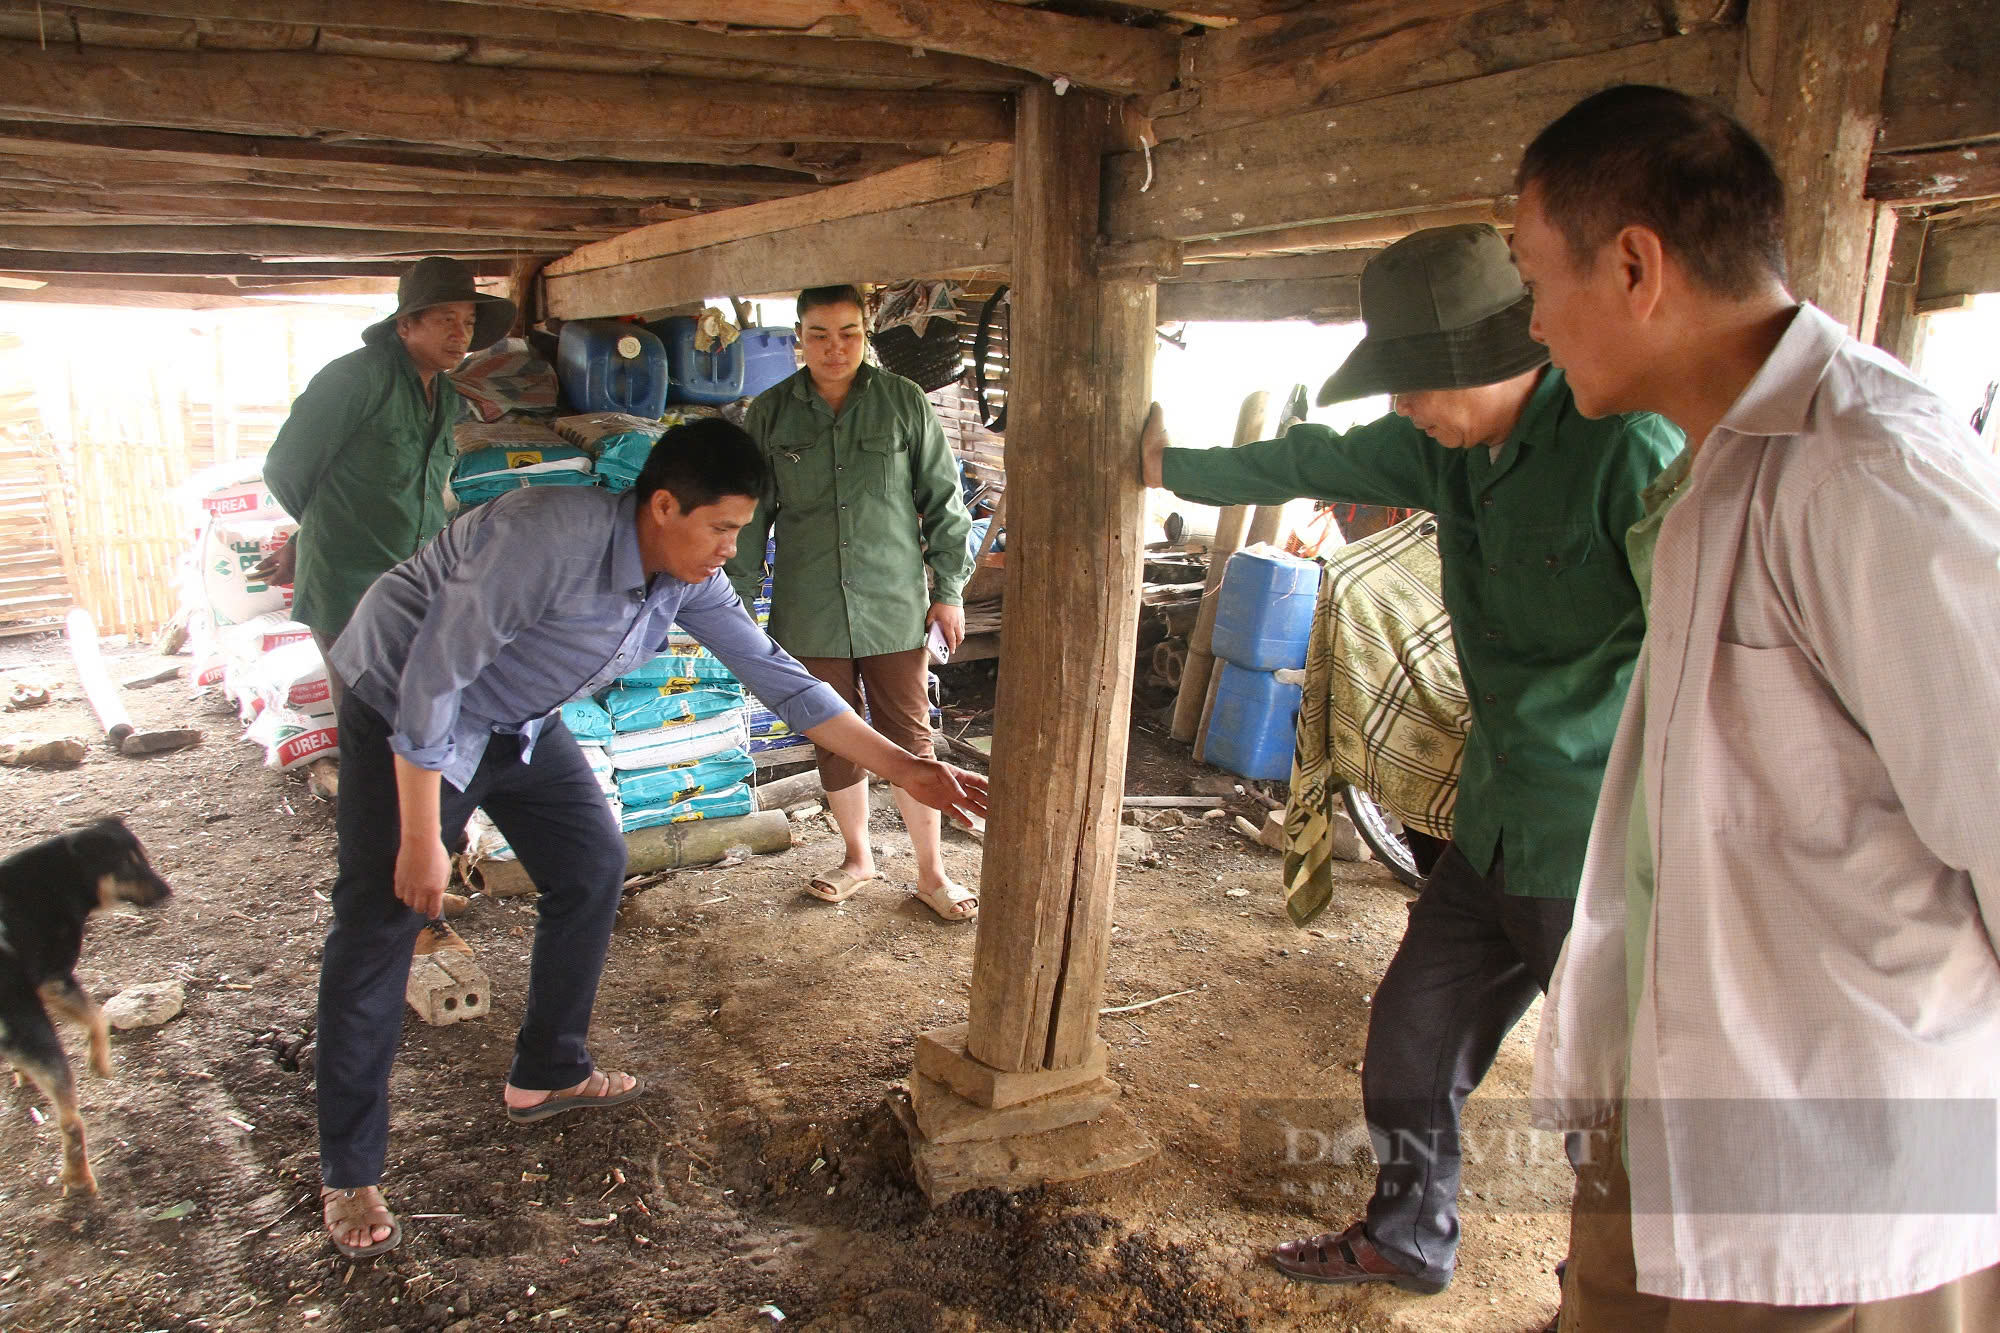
(1082, 358)
(1252, 419)
(1898, 329)
(1811, 89)
(1082, 363)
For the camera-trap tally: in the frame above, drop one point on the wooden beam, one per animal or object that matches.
(971, 232)
(1355, 234)
(1898, 330)
(276, 242)
(1936, 175)
(1940, 87)
(417, 167)
(551, 29)
(1081, 384)
(1338, 52)
(1087, 52)
(1324, 288)
(919, 183)
(551, 223)
(140, 263)
(1811, 89)
(1321, 300)
(1960, 261)
(1356, 161)
(309, 96)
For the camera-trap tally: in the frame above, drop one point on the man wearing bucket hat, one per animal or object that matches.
(1532, 503)
(363, 459)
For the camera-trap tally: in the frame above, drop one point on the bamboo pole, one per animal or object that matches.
(1251, 421)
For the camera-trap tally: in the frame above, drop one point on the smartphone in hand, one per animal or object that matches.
(934, 641)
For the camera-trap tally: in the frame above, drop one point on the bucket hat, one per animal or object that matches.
(439, 280)
(1445, 310)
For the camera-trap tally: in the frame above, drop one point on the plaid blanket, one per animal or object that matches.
(1384, 706)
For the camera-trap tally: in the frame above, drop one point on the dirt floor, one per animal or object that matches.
(763, 1178)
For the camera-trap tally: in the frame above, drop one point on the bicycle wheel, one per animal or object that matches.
(1383, 833)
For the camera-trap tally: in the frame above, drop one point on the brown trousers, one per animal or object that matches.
(1601, 1292)
(891, 686)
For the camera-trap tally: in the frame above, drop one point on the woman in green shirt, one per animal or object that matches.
(871, 530)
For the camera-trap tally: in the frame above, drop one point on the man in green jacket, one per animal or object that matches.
(1532, 502)
(363, 460)
(865, 500)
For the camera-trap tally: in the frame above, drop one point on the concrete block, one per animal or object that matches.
(942, 1055)
(448, 987)
(946, 1117)
(1110, 1143)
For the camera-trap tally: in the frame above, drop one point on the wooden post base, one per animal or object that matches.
(990, 1150)
(943, 1057)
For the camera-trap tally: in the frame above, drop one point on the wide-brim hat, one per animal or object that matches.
(1445, 310)
(440, 280)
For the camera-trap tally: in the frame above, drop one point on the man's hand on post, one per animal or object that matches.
(950, 621)
(1153, 444)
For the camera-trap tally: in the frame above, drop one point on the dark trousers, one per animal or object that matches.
(555, 816)
(1469, 966)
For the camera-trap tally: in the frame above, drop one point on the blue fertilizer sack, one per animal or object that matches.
(587, 720)
(735, 800)
(643, 707)
(665, 786)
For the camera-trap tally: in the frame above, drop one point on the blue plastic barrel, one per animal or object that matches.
(769, 358)
(1253, 727)
(606, 365)
(1264, 612)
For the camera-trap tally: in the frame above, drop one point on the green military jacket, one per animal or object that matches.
(362, 463)
(861, 504)
(1543, 606)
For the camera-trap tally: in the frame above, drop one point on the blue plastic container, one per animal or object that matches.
(607, 365)
(1264, 612)
(770, 357)
(1254, 726)
(757, 359)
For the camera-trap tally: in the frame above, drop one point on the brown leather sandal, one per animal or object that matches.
(1343, 1257)
(352, 1210)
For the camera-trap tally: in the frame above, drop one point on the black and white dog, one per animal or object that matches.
(47, 892)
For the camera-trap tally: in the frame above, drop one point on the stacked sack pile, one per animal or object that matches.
(670, 742)
(240, 628)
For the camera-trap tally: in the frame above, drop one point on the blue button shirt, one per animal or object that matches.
(528, 602)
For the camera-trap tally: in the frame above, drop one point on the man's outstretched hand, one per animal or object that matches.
(1153, 443)
(956, 791)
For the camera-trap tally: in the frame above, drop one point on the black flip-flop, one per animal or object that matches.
(550, 1106)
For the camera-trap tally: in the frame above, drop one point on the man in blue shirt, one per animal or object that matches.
(457, 660)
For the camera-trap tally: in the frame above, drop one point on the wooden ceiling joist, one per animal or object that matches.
(307, 96)
(278, 242)
(1088, 52)
(1935, 176)
(942, 215)
(558, 225)
(1356, 161)
(919, 183)
(1941, 85)
(543, 30)
(1325, 288)
(126, 146)
(1336, 52)
(38, 262)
